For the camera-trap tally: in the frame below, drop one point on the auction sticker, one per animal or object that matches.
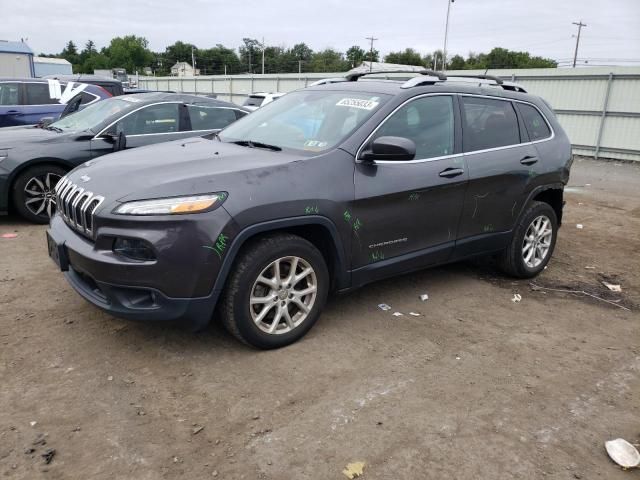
(357, 103)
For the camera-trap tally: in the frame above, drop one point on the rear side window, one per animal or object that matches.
(9, 93)
(428, 121)
(536, 125)
(488, 123)
(210, 118)
(38, 94)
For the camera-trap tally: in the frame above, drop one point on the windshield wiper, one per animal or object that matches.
(252, 144)
(55, 129)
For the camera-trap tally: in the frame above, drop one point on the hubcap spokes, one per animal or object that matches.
(40, 195)
(537, 241)
(283, 295)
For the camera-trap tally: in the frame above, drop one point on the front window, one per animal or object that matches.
(38, 94)
(151, 120)
(93, 116)
(312, 121)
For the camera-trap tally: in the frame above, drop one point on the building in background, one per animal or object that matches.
(44, 66)
(16, 59)
(184, 69)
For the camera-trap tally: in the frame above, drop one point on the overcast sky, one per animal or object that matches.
(542, 27)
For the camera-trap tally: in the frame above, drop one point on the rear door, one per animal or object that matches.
(10, 108)
(406, 213)
(501, 163)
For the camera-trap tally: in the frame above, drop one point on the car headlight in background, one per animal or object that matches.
(173, 205)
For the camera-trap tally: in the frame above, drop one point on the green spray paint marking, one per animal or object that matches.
(311, 210)
(357, 224)
(220, 245)
(414, 196)
(488, 228)
(376, 256)
(347, 216)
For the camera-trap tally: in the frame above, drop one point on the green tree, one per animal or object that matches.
(212, 61)
(70, 54)
(355, 55)
(250, 54)
(408, 57)
(178, 52)
(129, 52)
(329, 60)
(456, 63)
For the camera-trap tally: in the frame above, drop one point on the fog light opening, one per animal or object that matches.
(134, 249)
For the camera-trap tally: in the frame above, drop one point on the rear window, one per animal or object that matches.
(489, 123)
(254, 101)
(210, 118)
(537, 127)
(9, 93)
(38, 94)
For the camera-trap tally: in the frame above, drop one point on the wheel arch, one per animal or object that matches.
(35, 162)
(318, 230)
(552, 194)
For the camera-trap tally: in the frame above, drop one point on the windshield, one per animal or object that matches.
(91, 117)
(312, 121)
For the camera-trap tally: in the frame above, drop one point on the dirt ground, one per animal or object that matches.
(477, 386)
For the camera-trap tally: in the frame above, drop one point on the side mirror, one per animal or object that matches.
(390, 148)
(120, 142)
(45, 121)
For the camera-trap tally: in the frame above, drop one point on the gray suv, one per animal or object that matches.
(325, 190)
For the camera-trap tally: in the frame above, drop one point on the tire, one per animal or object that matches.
(243, 320)
(33, 192)
(513, 260)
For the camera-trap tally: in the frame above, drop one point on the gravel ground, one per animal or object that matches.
(477, 386)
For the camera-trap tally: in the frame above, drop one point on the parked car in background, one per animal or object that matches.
(260, 222)
(112, 85)
(27, 101)
(32, 159)
(260, 99)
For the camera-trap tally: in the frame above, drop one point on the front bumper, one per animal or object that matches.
(177, 286)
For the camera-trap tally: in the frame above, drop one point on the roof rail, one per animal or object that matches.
(498, 80)
(353, 77)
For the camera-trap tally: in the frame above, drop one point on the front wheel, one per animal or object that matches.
(276, 292)
(533, 241)
(33, 192)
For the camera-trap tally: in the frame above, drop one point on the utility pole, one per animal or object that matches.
(193, 61)
(249, 51)
(371, 39)
(299, 67)
(446, 34)
(575, 54)
(262, 55)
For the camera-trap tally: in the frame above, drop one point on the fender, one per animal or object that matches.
(342, 275)
(539, 189)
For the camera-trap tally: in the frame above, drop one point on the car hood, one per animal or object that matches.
(16, 137)
(182, 167)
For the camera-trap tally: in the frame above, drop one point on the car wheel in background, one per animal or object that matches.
(33, 192)
(276, 291)
(533, 241)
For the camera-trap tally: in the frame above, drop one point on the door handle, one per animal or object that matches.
(529, 160)
(451, 172)
(13, 112)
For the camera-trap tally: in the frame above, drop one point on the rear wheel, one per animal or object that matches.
(533, 241)
(276, 292)
(33, 192)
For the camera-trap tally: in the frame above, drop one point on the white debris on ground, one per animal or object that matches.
(516, 298)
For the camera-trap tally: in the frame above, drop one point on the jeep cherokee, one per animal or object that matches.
(327, 189)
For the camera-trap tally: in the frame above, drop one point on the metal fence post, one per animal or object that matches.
(231, 89)
(251, 88)
(604, 114)
(213, 88)
(278, 83)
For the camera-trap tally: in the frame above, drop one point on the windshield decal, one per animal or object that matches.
(357, 103)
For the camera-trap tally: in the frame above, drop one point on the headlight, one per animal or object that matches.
(173, 205)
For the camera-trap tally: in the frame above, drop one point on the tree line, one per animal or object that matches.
(132, 53)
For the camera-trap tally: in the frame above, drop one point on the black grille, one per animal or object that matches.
(77, 205)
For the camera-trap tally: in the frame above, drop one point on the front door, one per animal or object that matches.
(405, 214)
(161, 122)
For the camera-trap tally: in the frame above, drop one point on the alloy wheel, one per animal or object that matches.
(40, 196)
(537, 241)
(283, 295)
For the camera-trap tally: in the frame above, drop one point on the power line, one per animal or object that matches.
(575, 54)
